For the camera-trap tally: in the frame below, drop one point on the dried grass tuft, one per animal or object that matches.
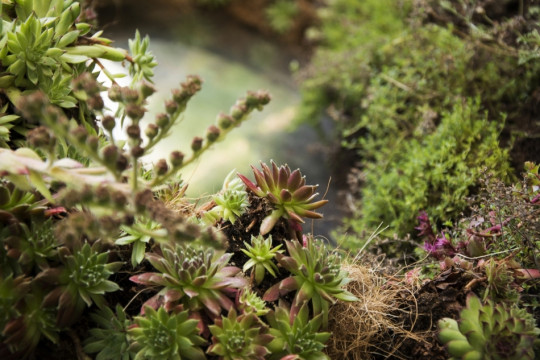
(372, 326)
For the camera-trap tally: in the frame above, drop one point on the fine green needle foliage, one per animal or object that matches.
(164, 336)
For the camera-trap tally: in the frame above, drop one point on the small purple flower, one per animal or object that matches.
(424, 227)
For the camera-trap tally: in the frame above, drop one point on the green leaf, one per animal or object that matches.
(37, 180)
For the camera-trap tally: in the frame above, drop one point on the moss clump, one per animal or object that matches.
(421, 104)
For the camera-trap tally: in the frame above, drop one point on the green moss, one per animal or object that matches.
(421, 104)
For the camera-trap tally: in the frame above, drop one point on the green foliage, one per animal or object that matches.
(159, 335)
(435, 172)
(287, 191)
(281, 14)
(231, 201)
(242, 337)
(394, 78)
(139, 235)
(490, 331)
(316, 275)
(110, 339)
(261, 254)
(298, 336)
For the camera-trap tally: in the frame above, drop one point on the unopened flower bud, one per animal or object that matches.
(93, 142)
(135, 111)
(238, 111)
(263, 97)
(171, 106)
(115, 93)
(95, 103)
(151, 131)
(129, 95)
(122, 163)
(137, 151)
(161, 167)
(118, 199)
(102, 195)
(108, 123)
(196, 143)
(86, 194)
(251, 99)
(162, 120)
(224, 121)
(79, 133)
(212, 133)
(192, 84)
(147, 89)
(39, 137)
(134, 131)
(177, 158)
(110, 154)
(180, 96)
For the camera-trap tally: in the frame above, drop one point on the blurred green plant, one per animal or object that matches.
(110, 339)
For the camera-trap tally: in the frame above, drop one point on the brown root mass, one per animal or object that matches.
(365, 328)
(394, 319)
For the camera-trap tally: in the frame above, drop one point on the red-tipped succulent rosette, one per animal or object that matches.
(287, 191)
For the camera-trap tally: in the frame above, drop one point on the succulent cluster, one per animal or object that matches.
(315, 274)
(85, 228)
(287, 192)
(490, 331)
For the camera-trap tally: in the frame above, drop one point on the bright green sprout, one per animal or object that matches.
(250, 302)
(231, 201)
(139, 235)
(163, 336)
(261, 254)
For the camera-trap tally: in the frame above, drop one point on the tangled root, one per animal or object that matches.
(373, 326)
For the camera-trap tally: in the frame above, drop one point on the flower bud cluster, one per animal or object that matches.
(41, 137)
(87, 88)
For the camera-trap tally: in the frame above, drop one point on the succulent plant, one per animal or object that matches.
(287, 191)
(242, 337)
(490, 332)
(23, 333)
(261, 254)
(160, 335)
(139, 235)
(195, 277)
(231, 201)
(110, 339)
(316, 275)
(249, 302)
(299, 337)
(33, 247)
(83, 280)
